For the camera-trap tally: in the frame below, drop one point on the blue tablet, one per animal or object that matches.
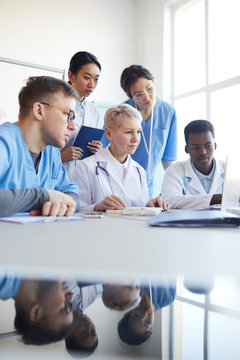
(85, 135)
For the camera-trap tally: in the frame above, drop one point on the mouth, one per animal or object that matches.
(203, 159)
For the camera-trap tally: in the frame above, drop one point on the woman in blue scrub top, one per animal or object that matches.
(159, 125)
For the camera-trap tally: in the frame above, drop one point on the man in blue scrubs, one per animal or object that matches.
(32, 176)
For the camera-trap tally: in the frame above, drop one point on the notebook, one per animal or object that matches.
(231, 187)
(85, 135)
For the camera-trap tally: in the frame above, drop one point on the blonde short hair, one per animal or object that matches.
(114, 115)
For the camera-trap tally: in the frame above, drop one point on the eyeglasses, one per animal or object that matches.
(197, 148)
(70, 114)
(140, 95)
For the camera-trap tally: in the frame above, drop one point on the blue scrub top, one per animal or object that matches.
(161, 296)
(17, 169)
(9, 287)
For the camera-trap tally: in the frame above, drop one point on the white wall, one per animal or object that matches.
(49, 32)
(118, 32)
(150, 38)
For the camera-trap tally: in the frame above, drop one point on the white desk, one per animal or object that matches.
(113, 247)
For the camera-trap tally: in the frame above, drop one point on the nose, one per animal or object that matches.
(72, 126)
(203, 150)
(146, 96)
(91, 83)
(135, 137)
(149, 313)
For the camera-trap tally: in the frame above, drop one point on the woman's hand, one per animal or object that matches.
(94, 146)
(157, 202)
(111, 202)
(71, 153)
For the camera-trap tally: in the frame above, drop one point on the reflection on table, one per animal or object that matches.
(139, 319)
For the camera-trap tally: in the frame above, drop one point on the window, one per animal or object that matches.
(205, 67)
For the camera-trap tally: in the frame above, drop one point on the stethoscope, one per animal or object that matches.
(99, 167)
(148, 148)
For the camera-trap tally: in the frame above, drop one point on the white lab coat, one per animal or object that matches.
(94, 188)
(91, 118)
(182, 188)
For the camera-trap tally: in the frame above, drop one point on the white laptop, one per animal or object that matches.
(231, 188)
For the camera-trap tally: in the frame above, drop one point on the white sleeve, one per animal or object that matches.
(174, 195)
(81, 176)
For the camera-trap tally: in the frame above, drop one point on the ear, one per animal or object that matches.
(70, 76)
(186, 149)
(108, 133)
(35, 312)
(38, 110)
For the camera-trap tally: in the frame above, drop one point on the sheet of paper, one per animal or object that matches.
(137, 211)
(27, 219)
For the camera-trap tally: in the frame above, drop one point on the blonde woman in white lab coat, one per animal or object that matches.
(197, 182)
(111, 179)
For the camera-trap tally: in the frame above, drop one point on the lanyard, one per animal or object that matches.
(148, 149)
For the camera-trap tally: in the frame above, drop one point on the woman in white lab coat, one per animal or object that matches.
(111, 179)
(84, 72)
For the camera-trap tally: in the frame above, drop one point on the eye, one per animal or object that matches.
(86, 78)
(139, 132)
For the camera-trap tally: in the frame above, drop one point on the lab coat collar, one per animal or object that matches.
(192, 178)
(194, 182)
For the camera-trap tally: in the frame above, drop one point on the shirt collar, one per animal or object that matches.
(115, 162)
(209, 176)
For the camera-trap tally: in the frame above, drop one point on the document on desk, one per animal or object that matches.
(196, 218)
(136, 211)
(85, 135)
(25, 218)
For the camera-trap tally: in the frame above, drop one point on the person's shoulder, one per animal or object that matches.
(89, 105)
(178, 166)
(9, 128)
(10, 135)
(129, 102)
(165, 105)
(221, 164)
